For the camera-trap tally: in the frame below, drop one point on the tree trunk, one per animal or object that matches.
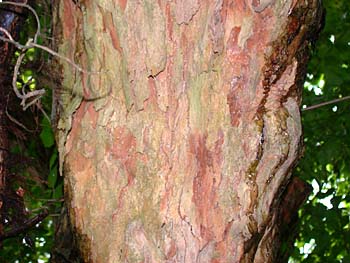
(178, 137)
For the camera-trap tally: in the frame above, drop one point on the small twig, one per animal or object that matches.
(13, 42)
(14, 77)
(37, 94)
(43, 111)
(325, 103)
(17, 122)
(25, 226)
(39, 209)
(69, 61)
(31, 44)
(54, 53)
(28, 83)
(6, 33)
(55, 215)
(51, 200)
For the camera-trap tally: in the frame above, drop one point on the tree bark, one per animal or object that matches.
(178, 139)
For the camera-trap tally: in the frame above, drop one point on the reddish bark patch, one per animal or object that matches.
(68, 21)
(124, 144)
(169, 21)
(202, 185)
(109, 25)
(76, 127)
(205, 185)
(122, 4)
(93, 115)
(234, 107)
(234, 52)
(248, 90)
(239, 63)
(185, 10)
(222, 247)
(80, 165)
(124, 150)
(187, 50)
(171, 251)
(152, 99)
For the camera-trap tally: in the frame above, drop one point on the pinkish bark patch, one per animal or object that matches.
(123, 149)
(122, 4)
(185, 10)
(205, 186)
(109, 25)
(68, 21)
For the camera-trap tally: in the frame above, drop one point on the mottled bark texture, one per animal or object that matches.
(178, 144)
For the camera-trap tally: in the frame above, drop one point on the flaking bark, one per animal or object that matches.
(188, 156)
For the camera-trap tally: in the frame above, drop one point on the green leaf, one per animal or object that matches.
(46, 134)
(53, 159)
(52, 178)
(58, 192)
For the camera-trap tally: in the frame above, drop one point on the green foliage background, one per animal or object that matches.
(34, 158)
(324, 228)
